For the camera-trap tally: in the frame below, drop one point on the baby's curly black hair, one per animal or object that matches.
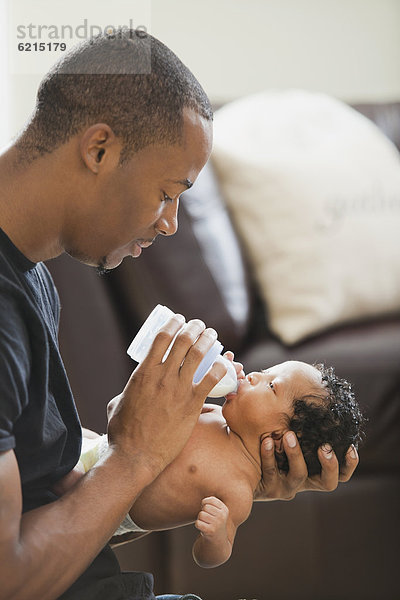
(334, 418)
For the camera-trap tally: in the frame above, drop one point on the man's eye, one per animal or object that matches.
(271, 385)
(167, 198)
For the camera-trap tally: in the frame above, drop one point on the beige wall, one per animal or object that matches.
(348, 48)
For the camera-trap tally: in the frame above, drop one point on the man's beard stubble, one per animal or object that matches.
(101, 267)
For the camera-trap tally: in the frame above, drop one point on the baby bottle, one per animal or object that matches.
(144, 338)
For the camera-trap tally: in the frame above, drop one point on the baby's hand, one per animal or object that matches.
(238, 366)
(212, 519)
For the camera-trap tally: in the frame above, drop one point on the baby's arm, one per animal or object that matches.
(217, 531)
(217, 526)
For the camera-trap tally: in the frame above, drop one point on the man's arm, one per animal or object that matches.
(43, 551)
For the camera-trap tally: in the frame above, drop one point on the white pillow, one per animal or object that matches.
(314, 190)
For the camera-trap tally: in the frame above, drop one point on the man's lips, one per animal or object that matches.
(145, 244)
(138, 247)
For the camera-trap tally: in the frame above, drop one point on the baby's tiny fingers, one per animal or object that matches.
(212, 501)
(205, 517)
(201, 526)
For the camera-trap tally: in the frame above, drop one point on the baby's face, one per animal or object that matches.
(264, 400)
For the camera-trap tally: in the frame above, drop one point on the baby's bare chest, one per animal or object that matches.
(205, 467)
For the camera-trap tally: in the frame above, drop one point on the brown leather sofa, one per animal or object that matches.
(338, 546)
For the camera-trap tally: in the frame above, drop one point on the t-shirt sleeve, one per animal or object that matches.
(51, 292)
(15, 362)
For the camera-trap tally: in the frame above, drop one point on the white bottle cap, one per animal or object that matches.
(141, 344)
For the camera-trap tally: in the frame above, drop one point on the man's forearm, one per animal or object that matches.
(59, 540)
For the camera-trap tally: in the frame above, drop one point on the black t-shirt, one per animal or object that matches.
(38, 418)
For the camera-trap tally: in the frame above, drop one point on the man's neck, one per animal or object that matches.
(31, 213)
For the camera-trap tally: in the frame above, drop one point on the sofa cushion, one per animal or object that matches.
(314, 189)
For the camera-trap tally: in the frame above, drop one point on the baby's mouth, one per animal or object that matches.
(231, 395)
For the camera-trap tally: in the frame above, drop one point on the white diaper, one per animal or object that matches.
(92, 451)
(127, 526)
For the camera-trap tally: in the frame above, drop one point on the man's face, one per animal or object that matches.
(126, 207)
(264, 400)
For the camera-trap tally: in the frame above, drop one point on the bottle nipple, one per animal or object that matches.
(227, 384)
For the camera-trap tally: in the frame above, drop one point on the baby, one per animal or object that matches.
(219, 469)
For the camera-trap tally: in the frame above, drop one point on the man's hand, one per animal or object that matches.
(284, 486)
(154, 416)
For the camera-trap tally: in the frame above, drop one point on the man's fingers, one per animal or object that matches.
(268, 462)
(238, 366)
(350, 465)
(211, 378)
(163, 339)
(190, 346)
(329, 477)
(297, 466)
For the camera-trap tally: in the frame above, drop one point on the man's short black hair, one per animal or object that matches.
(334, 418)
(129, 80)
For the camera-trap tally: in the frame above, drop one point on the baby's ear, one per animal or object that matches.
(277, 436)
(278, 444)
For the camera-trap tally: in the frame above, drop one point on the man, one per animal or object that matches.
(97, 173)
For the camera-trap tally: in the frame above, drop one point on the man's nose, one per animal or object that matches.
(167, 224)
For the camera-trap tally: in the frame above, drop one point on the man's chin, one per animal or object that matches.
(102, 270)
(103, 265)
(107, 264)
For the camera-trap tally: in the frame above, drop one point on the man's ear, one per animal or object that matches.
(100, 148)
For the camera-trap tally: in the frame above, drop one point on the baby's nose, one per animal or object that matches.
(253, 378)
